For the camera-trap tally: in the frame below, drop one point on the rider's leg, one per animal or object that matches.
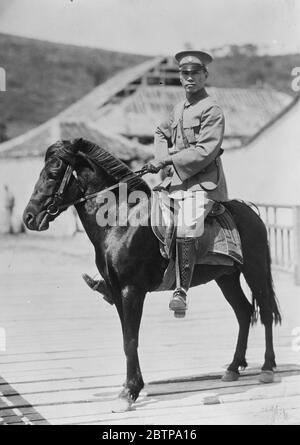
(185, 261)
(190, 214)
(167, 206)
(99, 286)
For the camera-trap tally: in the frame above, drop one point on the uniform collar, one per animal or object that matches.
(201, 95)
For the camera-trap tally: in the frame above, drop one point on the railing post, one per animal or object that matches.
(296, 233)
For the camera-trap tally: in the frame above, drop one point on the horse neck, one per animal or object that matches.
(87, 211)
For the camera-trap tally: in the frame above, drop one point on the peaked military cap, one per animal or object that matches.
(193, 59)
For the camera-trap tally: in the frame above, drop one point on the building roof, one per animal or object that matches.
(88, 107)
(122, 147)
(37, 143)
(277, 118)
(134, 101)
(246, 110)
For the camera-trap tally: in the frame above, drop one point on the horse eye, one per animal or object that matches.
(53, 166)
(55, 163)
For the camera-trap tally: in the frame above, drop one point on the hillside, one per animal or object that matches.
(44, 78)
(249, 71)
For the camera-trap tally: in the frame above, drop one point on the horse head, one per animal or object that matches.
(57, 185)
(73, 169)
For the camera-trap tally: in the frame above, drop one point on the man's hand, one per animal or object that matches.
(156, 165)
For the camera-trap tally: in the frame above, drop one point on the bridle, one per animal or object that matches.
(55, 205)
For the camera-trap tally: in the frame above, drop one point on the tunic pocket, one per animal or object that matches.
(191, 130)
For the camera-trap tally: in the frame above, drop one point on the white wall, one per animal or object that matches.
(21, 175)
(268, 169)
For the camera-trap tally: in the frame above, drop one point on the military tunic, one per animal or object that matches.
(192, 136)
(197, 167)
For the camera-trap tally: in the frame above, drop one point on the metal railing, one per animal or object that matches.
(283, 226)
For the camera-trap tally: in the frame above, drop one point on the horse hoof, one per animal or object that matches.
(121, 405)
(230, 376)
(266, 377)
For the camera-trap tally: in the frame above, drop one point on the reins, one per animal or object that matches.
(54, 207)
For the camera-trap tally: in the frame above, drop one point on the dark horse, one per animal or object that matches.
(128, 256)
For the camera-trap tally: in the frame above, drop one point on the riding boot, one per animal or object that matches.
(185, 261)
(99, 286)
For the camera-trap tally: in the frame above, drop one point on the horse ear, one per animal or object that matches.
(76, 145)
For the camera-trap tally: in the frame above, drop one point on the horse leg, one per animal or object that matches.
(267, 370)
(231, 288)
(132, 308)
(263, 292)
(260, 291)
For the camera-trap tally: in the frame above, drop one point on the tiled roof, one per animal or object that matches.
(125, 105)
(120, 146)
(88, 107)
(246, 110)
(37, 144)
(31, 144)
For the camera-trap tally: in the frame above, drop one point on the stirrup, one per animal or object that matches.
(178, 303)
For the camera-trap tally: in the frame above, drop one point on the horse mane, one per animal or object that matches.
(114, 167)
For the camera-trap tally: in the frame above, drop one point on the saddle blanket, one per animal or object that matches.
(219, 245)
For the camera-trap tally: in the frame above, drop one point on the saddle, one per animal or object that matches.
(220, 243)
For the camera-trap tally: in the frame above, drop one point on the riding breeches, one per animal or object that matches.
(186, 210)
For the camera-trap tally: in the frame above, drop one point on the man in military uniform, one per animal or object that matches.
(188, 148)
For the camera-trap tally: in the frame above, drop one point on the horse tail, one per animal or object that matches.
(273, 302)
(257, 261)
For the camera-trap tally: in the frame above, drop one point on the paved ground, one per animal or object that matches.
(63, 360)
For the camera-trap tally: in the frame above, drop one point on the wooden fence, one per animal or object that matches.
(283, 225)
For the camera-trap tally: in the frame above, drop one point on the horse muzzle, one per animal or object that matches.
(36, 221)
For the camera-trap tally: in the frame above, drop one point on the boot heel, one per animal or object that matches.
(178, 303)
(179, 314)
